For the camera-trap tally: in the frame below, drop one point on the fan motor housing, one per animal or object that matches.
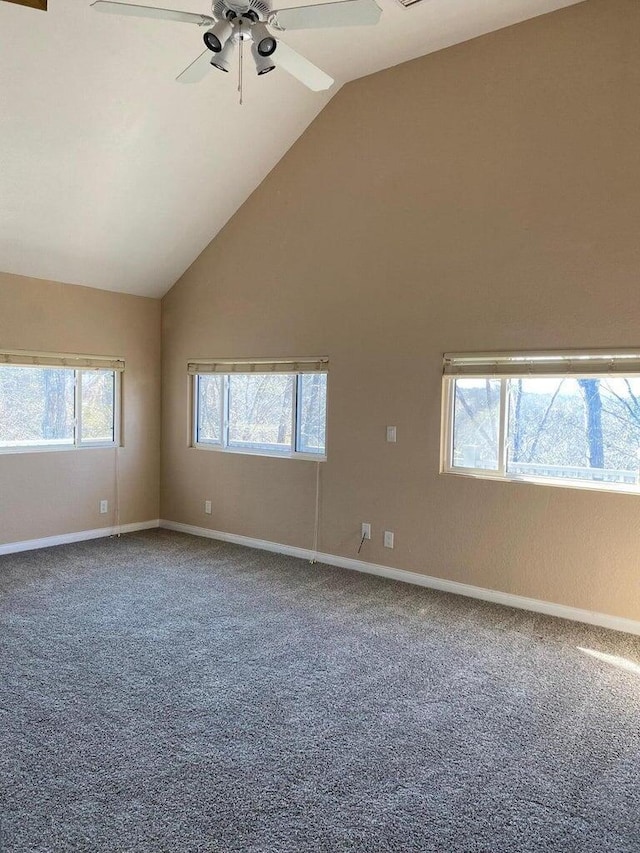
(238, 8)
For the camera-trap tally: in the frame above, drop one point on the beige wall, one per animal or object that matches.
(483, 198)
(55, 492)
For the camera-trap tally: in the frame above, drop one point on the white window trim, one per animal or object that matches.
(498, 366)
(77, 443)
(222, 446)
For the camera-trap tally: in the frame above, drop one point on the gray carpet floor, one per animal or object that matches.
(166, 693)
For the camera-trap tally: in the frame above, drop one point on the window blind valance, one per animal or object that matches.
(559, 364)
(72, 361)
(315, 365)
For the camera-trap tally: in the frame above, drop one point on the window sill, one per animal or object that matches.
(543, 481)
(43, 448)
(244, 451)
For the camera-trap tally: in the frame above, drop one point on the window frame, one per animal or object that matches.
(78, 443)
(501, 474)
(222, 446)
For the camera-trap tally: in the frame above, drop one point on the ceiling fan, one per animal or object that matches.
(232, 22)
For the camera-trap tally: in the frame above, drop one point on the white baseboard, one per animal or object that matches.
(562, 611)
(262, 544)
(80, 536)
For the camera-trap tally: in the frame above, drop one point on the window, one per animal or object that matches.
(273, 408)
(560, 418)
(47, 405)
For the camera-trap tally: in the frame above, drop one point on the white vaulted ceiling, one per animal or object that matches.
(114, 176)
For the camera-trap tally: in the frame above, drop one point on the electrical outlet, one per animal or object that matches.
(388, 539)
(207, 507)
(391, 434)
(365, 533)
(104, 507)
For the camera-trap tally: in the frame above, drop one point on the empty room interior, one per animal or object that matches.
(320, 426)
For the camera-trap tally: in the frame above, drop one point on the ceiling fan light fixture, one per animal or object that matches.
(262, 38)
(264, 64)
(267, 46)
(217, 35)
(222, 60)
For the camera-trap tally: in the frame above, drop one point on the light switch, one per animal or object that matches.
(391, 433)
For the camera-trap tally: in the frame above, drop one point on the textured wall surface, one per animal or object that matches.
(483, 198)
(55, 492)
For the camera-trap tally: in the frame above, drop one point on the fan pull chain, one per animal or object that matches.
(240, 64)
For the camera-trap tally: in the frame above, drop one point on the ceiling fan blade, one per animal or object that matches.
(113, 8)
(198, 69)
(347, 13)
(306, 72)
